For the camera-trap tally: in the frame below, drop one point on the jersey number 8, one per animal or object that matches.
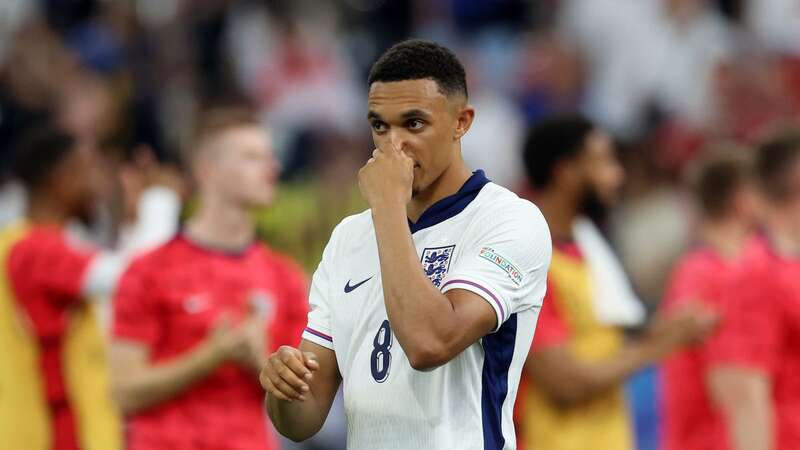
(381, 358)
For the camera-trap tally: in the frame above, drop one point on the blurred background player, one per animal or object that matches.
(54, 375)
(754, 380)
(724, 189)
(579, 362)
(194, 318)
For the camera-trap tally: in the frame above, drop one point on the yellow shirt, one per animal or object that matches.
(24, 415)
(300, 221)
(568, 318)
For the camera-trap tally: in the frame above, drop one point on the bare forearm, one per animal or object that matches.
(304, 415)
(158, 383)
(297, 420)
(749, 430)
(632, 358)
(745, 399)
(421, 316)
(568, 380)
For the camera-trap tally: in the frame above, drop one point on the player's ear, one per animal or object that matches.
(466, 115)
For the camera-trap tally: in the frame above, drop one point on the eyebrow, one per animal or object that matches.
(410, 114)
(415, 113)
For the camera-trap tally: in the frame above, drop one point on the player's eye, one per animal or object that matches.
(378, 126)
(415, 124)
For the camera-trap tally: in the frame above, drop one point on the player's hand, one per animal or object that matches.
(686, 325)
(386, 179)
(287, 373)
(229, 342)
(254, 329)
(154, 173)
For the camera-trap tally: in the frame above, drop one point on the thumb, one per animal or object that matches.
(310, 361)
(224, 322)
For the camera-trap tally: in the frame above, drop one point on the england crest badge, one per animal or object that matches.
(436, 262)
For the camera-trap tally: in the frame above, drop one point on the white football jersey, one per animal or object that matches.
(483, 239)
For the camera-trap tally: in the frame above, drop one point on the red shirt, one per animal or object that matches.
(46, 273)
(169, 300)
(762, 331)
(690, 421)
(552, 329)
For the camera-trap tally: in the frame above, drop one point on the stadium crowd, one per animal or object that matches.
(658, 137)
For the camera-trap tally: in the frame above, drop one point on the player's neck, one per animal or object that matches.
(560, 210)
(448, 184)
(221, 224)
(44, 210)
(725, 236)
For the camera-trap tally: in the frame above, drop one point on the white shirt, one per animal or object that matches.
(483, 239)
(504, 162)
(776, 23)
(636, 54)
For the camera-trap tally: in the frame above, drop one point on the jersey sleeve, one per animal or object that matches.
(750, 334)
(506, 262)
(135, 307)
(318, 327)
(293, 307)
(551, 329)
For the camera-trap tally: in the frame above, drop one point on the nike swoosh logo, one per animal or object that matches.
(348, 288)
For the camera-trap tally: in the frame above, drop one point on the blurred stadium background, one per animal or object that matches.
(664, 76)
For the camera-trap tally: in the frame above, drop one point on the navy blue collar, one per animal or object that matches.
(452, 205)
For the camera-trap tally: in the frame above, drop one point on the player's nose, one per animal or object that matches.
(397, 140)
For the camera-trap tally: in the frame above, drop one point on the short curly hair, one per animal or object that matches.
(776, 158)
(552, 141)
(418, 59)
(39, 152)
